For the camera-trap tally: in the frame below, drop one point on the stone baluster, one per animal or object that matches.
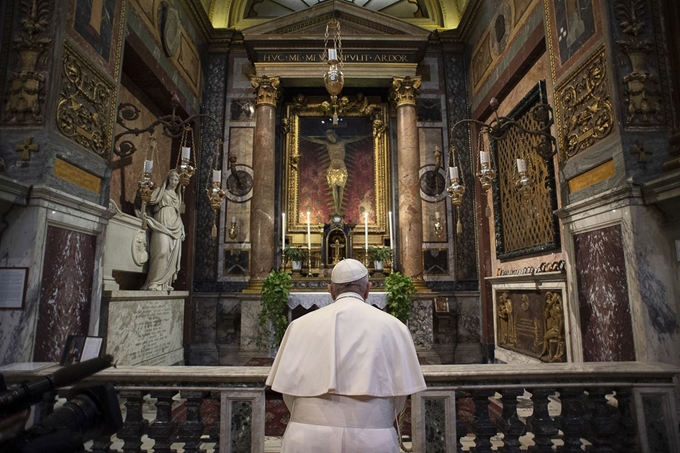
(485, 429)
(191, 430)
(540, 423)
(571, 420)
(628, 427)
(134, 426)
(101, 445)
(605, 422)
(461, 426)
(214, 428)
(161, 430)
(512, 427)
(403, 92)
(264, 165)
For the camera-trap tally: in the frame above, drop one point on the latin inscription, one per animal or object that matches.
(285, 57)
(79, 177)
(592, 176)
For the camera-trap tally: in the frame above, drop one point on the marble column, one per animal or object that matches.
(262, 204)
(403, 92)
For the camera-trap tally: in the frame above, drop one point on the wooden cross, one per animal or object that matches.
(25, 149)
(640, 150)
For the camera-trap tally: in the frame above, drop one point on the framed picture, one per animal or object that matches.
(13, 281)
(336, 169)
(441, 304)
(80, 348)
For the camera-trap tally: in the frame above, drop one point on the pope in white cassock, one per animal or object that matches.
(345, 372)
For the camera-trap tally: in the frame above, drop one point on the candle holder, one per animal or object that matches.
(216, 195)
(456, 191)
(186, 163)
(438, 227)
(146, 188)
(524, 184)
(233, 229)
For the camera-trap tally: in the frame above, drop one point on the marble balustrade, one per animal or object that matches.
(614, 407)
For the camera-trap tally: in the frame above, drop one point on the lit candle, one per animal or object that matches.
(332, 54)
(389, 219)
(521, 165)
(453, 173)
(309, 235)
(148, 166)
(233, 219)
(484, 157)
(217, 176)
(283, 230)
(366, 230)
(436, 215)
(186, 152)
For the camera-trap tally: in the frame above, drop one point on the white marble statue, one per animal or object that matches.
(167, 234)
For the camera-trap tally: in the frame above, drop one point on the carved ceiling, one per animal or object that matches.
(427, 14)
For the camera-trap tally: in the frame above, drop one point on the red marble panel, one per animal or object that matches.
(606, 325)
(66, 291)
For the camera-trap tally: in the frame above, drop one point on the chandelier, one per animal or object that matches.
(332, 56)
(497, 129)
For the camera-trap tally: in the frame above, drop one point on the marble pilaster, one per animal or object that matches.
(404, 91)
(262, 211)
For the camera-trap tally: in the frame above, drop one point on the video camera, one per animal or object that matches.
(91, 411)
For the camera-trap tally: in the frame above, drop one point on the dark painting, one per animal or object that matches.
(94, 22)
(575, 25)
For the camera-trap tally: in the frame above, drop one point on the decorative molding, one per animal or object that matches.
(85, 110)
(583, 107)
(26, 84)
(640, 84)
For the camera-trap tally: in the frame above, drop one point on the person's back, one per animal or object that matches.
(345, 372)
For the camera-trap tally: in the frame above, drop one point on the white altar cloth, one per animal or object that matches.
(321, 299)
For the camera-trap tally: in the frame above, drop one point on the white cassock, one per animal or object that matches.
(345, 371)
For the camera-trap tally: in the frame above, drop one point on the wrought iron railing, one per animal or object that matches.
(598, 407)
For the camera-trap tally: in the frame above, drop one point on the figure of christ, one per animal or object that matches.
(336, 250)
(336, 175)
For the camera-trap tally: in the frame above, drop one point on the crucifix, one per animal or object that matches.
(336, 251)
(25, 149)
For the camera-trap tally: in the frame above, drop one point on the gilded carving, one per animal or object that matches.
(85, 107)
(267, 90)
(404, 90)
(26, 82)
(642, 94)
(583, 107)
(553, 336)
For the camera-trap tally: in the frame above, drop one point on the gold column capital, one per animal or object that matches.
(404, 90)
(267, 89)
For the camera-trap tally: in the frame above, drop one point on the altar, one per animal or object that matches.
(308, 299)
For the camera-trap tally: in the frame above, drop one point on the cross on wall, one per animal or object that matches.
(25, 149)
(640, 150)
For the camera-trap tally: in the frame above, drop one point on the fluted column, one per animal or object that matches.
(262, 204)
(403, 93)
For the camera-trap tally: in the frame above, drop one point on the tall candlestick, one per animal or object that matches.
(283, 230)
(309, 236)
(186, 152)
(389, 219)
(366, 230)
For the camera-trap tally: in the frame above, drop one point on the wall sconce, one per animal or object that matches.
(233, 229)
(497, 129)
(214, 191)
(438, 227)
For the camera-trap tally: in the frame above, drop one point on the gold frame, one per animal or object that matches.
(379, 115)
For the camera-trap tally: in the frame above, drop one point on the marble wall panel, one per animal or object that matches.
(250, 309)
(421, 324)
(469, 319)
(229, 322)
(66, 291)
(605, 316)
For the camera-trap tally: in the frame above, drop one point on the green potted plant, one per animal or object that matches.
(296, 255)
(378, 255)
(400, 290)
(272, 318)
